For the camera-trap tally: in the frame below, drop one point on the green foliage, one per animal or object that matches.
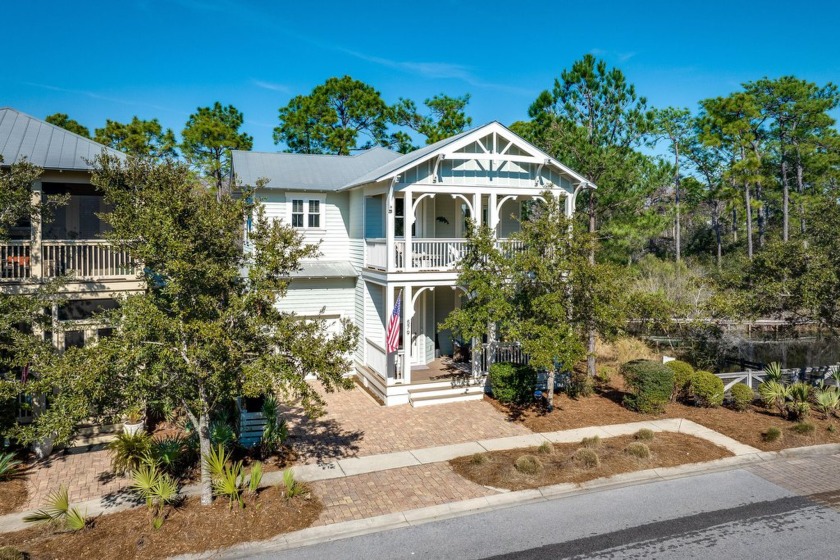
(827, 400)
(276, 429)
(644, 434)
(683, 371)
(546, 448)
(330, 119)
(64, 121)
(580, 385)
(775, 394)
(170, 452)
(742, 396)
(650, 384)
(59, 512)
(229, 483)
(528, 464)
(446, 117)
(707, 389)
(638, 449)
(255, 477)
(773, 372)
(209, 136)
(9, 466)
(586, 458)
(804, 428)
(511, 383)
(479, 459)
(772, 434)
(222, 433)
(138, 138)
(593, 442)
(216, 460)
(128, 451)
(143, 481)
(291, 486)
(798, 406)
(11, 553)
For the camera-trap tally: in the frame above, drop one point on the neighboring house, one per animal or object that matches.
(68, 242)
(393, 225)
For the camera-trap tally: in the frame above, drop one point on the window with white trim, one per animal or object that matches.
(306, 212)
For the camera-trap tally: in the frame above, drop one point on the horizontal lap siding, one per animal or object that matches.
(375, 312)
(308, 297)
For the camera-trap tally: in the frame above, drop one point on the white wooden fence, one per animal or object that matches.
(753, 378)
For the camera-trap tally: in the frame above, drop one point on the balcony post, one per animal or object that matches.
(493, 213)
(477, 209)
(408, 220)
(35, 270)
(389, 232)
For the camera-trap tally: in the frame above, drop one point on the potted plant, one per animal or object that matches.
(134, 422)
(43, 447)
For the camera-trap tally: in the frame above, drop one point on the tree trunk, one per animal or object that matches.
(749, 220)
(800, 187)
(762, 222)
(677, 197)
(785, 201)
(718, 240)
(204, 448)
(590, 358)
(735, 225)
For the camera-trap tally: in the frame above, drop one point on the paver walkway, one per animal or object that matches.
(355, 425)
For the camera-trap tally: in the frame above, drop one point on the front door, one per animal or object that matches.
(418, 330)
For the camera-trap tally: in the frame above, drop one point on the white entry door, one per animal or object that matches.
(418, 329)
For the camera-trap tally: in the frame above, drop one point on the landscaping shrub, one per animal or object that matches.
(169, 452)
(593, 442)
(650, 383)
(528, 464)
(512, 384)
(479, 459)
(682, 377)
(128, 451)
(580, 385)
(9, 553)
(707, 389)
(772, 434)
(546, 448)
(804, 428)
(586, 458)
(798, 407)
(9, 466)
(222, 433)
(742, 396)
(291, 487)
(638, 449)
(644, 434)
(59, 512)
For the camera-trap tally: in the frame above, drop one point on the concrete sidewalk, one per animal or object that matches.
(345, 468)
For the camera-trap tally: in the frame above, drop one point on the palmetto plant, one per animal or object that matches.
(255, 477)
(827, 400)
(216, 460)
(156, 488)
(128, 451)
(798, 395)
(144, 479)
(773, 372)
(775, 394)
(169, 452)
(58, 511)
(9, 467)
(230, 482)
(276, 430)
(292, 487)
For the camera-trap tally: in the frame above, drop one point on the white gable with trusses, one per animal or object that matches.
(491, 155)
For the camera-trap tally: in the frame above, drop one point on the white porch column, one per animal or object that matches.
(408, 223)
(390, 357)
(492, 213)
(389, 235)
(477, 209)
(35, 269)
(407, 314)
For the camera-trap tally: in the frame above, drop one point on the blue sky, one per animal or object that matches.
(96, 60)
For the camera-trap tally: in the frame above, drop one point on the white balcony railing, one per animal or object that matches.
(376, 358)
(15, 262)
(85, 259)
(429, 254)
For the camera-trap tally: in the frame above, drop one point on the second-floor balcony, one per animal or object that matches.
(83, 260)
(423, 255)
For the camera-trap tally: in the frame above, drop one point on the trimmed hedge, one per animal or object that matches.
(682, 377)
(742, 396)
(650, 383)
(707, 389)
(512, 384)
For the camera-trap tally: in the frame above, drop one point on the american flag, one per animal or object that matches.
(392, 337)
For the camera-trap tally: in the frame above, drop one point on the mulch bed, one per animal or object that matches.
(604, 407)
(13, 495)
(190, 527)
(667, 450)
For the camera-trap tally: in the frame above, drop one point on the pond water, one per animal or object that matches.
(805, 351)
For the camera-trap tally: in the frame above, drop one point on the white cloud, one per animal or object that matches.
(271, 86)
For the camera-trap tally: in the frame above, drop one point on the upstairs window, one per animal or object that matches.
(306, 212)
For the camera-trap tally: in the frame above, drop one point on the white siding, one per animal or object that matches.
(308, 297)
(375, 313)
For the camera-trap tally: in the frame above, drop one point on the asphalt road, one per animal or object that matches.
(733, 514)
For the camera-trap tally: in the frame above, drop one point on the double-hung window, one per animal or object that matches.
(306, 212)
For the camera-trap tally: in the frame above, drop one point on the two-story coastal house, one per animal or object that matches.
(392, 226)
(68, 242)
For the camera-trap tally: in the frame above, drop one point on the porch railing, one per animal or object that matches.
(376, 358)
(86, 259)
(438, 254)
(505, 352)
(15, 260)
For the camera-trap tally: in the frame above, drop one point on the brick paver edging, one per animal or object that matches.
(374, 463)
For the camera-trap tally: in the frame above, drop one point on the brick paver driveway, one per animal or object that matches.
(356, 425)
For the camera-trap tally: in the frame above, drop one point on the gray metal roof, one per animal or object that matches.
(325, 269)
(307, 171)
(45, 145)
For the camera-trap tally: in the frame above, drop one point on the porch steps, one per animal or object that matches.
(443, 393)
(90, 437)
